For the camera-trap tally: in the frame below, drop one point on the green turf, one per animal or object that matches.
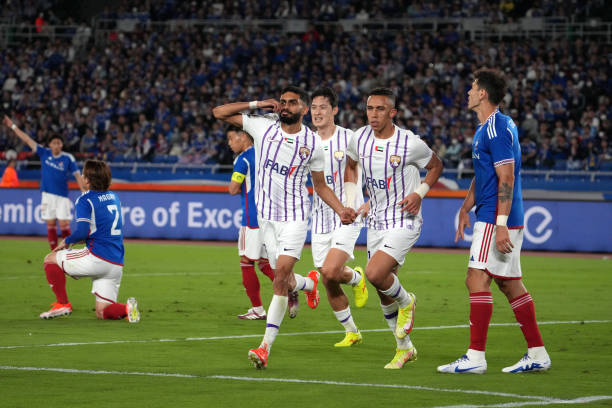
(188, 292)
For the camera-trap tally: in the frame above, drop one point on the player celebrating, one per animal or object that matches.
(99, 220)
(332, 242)
(498, 231)
(285, 151)
(390, 158)
(250, 243)
(56, 167)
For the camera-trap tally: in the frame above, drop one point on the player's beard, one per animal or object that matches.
(289, 119)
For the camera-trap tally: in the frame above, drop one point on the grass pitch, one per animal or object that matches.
(190, 350)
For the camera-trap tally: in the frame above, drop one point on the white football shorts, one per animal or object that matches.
(396, 242)
(250, 243)
(105, 276)
(484, 255)
(55, 207)
(283, 238)
(342, 238)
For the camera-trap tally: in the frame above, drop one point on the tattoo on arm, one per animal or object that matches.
(505, 193)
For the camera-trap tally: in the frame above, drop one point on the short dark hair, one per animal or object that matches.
(384, 92)
(55, 136)
(296, 89)
(326, 92)
(492, 81)
(237, 129)
(99, 175)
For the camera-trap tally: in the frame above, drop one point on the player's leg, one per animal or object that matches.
(48, 213)
(506, 269)
(332, 274)
(249, 251)
(405, 351)
(57, 281)
(478, 284)
(106, 281)
(264, 264)
(343, 240)
(64, 215)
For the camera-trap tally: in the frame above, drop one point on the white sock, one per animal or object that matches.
(398, 293)
(356, 277)
(475, 355)
(390, 313)
(259, 310)
(303, 283)
(276, 312)
(538, 353)
(346, 319)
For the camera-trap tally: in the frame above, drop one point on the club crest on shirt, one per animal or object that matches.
(304, 152)
(394, 161)
(339, 155)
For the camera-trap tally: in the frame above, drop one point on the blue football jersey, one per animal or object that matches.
(102, 211)
(496, 143)
(56, 171)
(245, 165)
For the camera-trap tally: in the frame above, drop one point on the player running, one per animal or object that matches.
(56, 168)
(285, 150)
(333, 243)
(250, 242)
(498, 232)
(391, 158)
(99, 221)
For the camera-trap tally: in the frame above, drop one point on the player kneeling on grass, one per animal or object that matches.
(98, 216)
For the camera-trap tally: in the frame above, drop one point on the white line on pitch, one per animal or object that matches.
(246, 336)
(537, 398)
(580, 400)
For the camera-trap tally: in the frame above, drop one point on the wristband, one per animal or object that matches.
(253, 105)
(422, 190)
(501, 220)
(13, 126)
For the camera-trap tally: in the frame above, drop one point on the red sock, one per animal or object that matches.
(265, 267)
(57, 281)
(251, 283)
(65, 231)
(115, 311)
(524, 311)
(481, 309)
(52, 236)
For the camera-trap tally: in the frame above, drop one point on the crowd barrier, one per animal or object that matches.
(207, 213)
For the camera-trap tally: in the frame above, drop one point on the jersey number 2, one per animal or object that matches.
(113, 210)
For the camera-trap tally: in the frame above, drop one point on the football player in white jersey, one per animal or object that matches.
(285, 150)
(333, 243)
(391, 158)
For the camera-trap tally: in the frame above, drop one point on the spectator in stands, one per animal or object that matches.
(529, 151)
(576, 155)
(544, 158)
(9, 177)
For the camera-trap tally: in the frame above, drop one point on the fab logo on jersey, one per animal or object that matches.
(280, 169)
(394, 161)
(304, 152)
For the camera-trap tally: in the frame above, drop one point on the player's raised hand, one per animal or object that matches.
(269, 104)
(464, 221)
(502, 239)
(7, 121)
(347, 215)
(411, 203)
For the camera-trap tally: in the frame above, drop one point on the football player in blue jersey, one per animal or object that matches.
(56, 168)
(99, 221)
(250, 241)
(495, 253)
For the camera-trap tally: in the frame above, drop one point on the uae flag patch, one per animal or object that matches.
(289, 140)
(380, 149)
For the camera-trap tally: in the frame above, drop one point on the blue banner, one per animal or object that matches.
(549, 225)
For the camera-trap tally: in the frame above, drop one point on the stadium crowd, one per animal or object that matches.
(147, 95)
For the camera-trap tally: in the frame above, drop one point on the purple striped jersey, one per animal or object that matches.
(324, 218)
(391, 172)
(283, 161)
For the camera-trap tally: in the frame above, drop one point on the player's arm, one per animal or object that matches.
(412, 202)
(83, 211)
(235, 185)
(464, 211)
(20, 134)
(350, 181)
(232, 112)
(505, 191)
(80, 181)
(347, 215)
